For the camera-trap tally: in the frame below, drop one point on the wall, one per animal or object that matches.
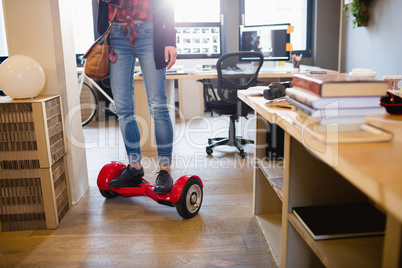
(232, 22)
(38, 29)
(326, 33)
(377, 46)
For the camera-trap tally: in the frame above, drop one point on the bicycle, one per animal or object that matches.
(88, 99)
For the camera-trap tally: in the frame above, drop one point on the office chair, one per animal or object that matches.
(208, 93)
(236, 71)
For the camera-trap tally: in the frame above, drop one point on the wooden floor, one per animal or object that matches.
(138, 232)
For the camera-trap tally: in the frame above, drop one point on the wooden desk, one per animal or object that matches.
(315, 174)
(190, 92)
(191, 102)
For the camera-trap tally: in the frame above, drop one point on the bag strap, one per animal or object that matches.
(103, 37)
(106, 34)
(114, 15)
(112, 54)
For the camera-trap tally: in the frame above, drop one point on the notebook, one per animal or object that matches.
(341, 220)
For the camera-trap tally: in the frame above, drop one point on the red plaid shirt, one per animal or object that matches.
(133, 10)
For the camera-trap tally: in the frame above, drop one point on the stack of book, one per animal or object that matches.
(335, 102)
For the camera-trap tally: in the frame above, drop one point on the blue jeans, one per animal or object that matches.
(121, 80)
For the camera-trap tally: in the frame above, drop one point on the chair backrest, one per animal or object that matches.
(234, 73)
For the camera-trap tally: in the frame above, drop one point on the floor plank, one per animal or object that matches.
(137, 232)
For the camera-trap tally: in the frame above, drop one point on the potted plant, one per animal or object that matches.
(359, 10)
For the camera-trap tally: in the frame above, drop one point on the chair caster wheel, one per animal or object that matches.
(243, 155)
(209, 151)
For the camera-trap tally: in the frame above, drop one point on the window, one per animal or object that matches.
(197, 11)
(295, 12)
(199, 31)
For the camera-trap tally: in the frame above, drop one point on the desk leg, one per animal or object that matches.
(191, 101)
(170, 92)
(392, 243)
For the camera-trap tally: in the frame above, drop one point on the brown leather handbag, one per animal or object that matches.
(97, 64)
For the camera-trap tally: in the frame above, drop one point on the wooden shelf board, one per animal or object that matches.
(271, 227)
(343, 253)
(272, 169)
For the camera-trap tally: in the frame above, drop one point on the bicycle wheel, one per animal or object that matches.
(89, 104)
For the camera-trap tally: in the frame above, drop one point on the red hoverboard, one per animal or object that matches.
(186, 194)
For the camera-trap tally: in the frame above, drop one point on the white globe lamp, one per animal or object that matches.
(21, 77)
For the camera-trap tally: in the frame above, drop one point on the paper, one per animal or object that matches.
(277, 181)
(254, 91)
(279, 103)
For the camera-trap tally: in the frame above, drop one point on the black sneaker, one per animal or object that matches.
(163, 183)
(130, 177)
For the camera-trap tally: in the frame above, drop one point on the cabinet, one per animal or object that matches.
(33, 174)
(316, 173)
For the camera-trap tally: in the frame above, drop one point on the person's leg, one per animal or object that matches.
(155, 84)
(121, 81)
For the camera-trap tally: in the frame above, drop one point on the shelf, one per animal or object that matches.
(270, 207)
(271, 227)
(343, 253)
(275, 185)
(34, 181)
(272, 169)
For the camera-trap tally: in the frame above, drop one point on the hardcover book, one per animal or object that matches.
(318, 102)
(341, 220)
(339, 85)
(341, 124)
(347, 120)
(334, 112)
